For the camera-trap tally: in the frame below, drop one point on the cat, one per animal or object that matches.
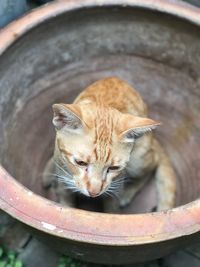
(104, 137)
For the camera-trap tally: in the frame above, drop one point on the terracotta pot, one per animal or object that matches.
(50, 55)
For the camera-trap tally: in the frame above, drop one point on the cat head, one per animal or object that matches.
(93, 144)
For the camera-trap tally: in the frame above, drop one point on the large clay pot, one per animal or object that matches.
(50, 55)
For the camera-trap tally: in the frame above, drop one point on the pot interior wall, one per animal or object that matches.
(157, 53)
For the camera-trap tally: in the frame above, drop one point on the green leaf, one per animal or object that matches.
(18, 263)
(1, 252)
(2, 263)
(66, 261)
(11, 258)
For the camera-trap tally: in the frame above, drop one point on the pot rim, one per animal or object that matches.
(80, 225)
(14, 30)
(93, 227)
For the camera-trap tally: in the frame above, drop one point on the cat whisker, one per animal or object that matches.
(74, 190)
(71, 187)
(64, 177)
(108, 194)
(63, 181)
(112, 193)
(122, 179)
(114, 190)
(116, 184)
(63, 170)
(66, 181)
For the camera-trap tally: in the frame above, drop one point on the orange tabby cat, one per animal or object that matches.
(105, 136)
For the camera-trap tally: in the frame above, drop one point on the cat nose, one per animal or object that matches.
(93, 193)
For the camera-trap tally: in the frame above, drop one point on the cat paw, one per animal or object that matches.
(124, 202)
(165, 206)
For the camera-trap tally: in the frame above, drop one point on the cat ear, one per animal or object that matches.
(68, 116)
(135, 127)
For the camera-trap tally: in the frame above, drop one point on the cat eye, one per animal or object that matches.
(81, 163)
(113, 168)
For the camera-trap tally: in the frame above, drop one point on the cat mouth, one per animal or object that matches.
(94, 195)
(91, 194)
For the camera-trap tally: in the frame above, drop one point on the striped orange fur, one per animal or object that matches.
(104, 136)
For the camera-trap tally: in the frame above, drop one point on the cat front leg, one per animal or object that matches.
(56, 189)
(65, 197)
(49, 181)
(130, 190)
(166, 184)
(111, 203)
(48, 176)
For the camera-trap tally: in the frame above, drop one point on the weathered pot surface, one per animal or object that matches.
(50, 55)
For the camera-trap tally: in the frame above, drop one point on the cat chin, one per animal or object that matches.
(84, 192)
